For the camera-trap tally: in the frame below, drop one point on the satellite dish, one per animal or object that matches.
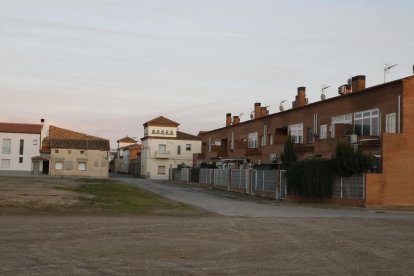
(281, 108)
(251, 116)
(323, 96)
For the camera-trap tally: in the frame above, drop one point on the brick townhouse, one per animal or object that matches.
(378, 120)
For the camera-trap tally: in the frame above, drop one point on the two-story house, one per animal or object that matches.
(19, 144)
(165, 147)
(72, 153)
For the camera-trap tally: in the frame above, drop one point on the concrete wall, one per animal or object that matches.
(97, 163)
(29, 150)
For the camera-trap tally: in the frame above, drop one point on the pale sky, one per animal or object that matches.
(105, 67)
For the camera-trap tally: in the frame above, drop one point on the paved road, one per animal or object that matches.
(223, 203)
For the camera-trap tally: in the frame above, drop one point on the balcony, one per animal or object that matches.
(253, 151)
(162, 154)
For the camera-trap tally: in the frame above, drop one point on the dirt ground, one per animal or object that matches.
(207, 245)
(194, 243)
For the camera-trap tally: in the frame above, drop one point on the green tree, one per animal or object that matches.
(288, 156)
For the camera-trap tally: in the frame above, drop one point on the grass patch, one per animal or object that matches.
(119, 198)
(74, 196)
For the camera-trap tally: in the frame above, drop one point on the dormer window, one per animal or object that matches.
(153, 131)
(158, 131)
(162, 131)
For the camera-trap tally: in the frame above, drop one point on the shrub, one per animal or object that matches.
(311, 178)
(288, 156)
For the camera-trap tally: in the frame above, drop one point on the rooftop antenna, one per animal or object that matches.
(281, 108)
(387, 68)
(240, 115)
(324, 87)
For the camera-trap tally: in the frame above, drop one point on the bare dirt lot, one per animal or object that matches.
(197, 243)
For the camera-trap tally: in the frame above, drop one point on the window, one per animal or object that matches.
(252, 140)
(81, 152)
(161, 169)
(188, 147)
(309, 135)
(96, 164)
(69, 151)
(81, 166)
(162, 131)
(343, 119)
(158, 131)
(324, 132)
(68, 165)
(56, 151)
(296, 132)
(5, 163)
(20, 160)
(390, 123)
(21, 147)
(217, 142)
(162, 148)
(232, 140)
(58, 165)
(172, 132)
(103, 164)
(366, 123)
(153, 131)
(35, 142)
(178, 150)
(6, 147)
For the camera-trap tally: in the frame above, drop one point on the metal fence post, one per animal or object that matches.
(341, 187)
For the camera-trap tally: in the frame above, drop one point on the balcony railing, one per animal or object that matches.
(162, 154)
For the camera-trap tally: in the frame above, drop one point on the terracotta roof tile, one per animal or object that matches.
(161, 121)
(64, 138)
(21, 128)
(127, 140)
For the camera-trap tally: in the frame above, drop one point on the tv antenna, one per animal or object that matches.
(387, 68)
(281, 108)
(241, 114)
(324, 87)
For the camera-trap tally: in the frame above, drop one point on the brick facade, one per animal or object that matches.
(393, 151)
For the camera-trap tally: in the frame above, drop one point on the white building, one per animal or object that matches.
(122, 156)
(20, 143)
(164, 147)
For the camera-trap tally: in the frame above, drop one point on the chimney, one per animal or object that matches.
(257, 111)
(358, 83)
(42, 121)
(236, 120)
(228, 119)
(263, 111)
(301, 99)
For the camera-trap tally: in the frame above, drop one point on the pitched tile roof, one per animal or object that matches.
(127, 140)
(21, 128)
(180, 136)
(68, 139)
(161, 121)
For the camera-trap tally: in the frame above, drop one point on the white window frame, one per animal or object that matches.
(323, 133)
(252, 140)
(162, 148)
(296, 132)
(391, 123)
(6, 146)
(342, 119)
(82, 166)
(187, 147)
(367, 114)
(58, 166)
(5, 163)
